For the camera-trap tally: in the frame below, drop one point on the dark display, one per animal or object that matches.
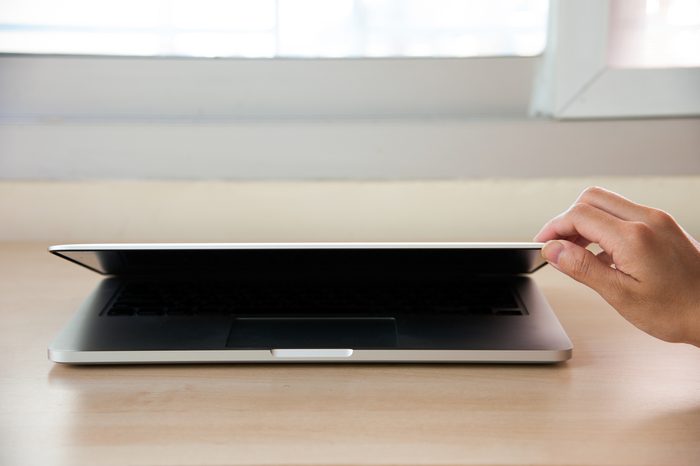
(316, 263)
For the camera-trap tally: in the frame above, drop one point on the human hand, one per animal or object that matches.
(649, 269)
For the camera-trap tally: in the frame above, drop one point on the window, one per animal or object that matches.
(621, 58)
(654, 34)
(326, 116)
(275, 28)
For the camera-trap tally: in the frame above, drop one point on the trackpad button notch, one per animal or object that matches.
(311, 353)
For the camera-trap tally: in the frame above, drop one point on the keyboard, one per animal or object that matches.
(212, 298)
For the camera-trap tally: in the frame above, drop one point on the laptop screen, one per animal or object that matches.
(308, 260)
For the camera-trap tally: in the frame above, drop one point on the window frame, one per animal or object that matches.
(575, 81)
(137, 88)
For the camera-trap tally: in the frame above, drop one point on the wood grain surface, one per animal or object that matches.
(625, 398)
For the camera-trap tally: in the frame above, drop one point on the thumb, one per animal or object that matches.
(581, 265)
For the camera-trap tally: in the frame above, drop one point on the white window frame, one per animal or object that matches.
(68, 117)
(205, 89)
(575, 81)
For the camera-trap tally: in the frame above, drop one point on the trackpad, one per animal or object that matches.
(273, 332)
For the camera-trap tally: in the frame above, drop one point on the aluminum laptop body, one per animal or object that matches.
(311, 302)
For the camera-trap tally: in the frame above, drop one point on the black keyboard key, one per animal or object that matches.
(508, 312)
(480, 310)
(211, 310)
(179, 311)
(454, 309)
(150, 311)
(207, 298)
(121, 311)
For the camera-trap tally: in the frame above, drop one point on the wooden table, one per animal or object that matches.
(625, 398)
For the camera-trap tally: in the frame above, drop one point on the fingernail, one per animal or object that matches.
(551, 251)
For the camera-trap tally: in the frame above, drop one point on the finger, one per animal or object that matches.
(578, 239)
(695, 242)
(593, 224)
(605, 258)
(583, 266)
(614, 204)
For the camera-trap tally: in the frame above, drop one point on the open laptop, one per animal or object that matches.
(311, 302)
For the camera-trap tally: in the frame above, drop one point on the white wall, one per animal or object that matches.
(466, 210)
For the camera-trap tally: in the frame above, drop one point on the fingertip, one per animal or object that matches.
(552, 250)
(580, 264)
(546, 233)
(541, 237)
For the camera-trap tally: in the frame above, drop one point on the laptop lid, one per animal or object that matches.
(434, 260)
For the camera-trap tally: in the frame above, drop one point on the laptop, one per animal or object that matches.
(311, 302)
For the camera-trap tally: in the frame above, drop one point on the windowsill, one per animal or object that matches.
(359, 149)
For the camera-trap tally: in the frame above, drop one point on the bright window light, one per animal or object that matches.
(654, 33)
(275, 28)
